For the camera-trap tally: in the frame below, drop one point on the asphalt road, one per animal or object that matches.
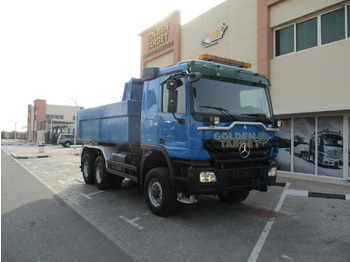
(36, 225)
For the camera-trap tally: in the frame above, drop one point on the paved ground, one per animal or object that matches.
(280, 225)
(36, 225)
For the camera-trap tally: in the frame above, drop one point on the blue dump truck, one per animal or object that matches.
(204, 126)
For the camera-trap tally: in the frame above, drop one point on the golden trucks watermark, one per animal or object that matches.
(237, 139)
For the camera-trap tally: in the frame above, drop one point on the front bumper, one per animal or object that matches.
(234, 179)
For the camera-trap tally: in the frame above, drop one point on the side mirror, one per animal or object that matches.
(194, 77)
(172, 98)
(172, 101)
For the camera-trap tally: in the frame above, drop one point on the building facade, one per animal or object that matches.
(52, 118)
(302, 46)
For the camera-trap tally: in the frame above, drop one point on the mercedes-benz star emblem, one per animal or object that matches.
(243, 150)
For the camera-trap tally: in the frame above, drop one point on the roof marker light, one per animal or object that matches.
(213, 58)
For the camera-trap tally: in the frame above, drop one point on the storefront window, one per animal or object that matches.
(304, 145)
(284, 146)
(330, 146)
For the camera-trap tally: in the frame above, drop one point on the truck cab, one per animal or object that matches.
(213, 120)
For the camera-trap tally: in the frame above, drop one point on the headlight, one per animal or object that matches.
(273, 171)
(207, 177)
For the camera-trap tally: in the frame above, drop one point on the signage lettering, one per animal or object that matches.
(158, 40)
(235, 140)
(158, 36)
(159, 49)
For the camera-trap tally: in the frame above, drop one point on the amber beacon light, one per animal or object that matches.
(213, 58)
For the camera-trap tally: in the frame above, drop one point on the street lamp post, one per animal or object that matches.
(75, 122)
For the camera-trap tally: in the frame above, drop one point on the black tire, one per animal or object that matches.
(88, 168)
(67, 144)
(234, 197)
(103, 180)
(161, 197)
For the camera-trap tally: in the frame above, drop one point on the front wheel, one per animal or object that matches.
(234, 197)
(160, 195)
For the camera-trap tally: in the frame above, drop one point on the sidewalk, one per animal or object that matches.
(313, 186)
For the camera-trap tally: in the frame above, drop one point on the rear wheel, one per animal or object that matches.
(103, 180)
(88, 169)
(160, 195)
(234, 197)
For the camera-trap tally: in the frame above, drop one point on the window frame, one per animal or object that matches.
(345, 7)
(275, 42)
(296, 33)
(320, 23)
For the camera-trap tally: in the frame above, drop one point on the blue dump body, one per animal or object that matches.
(117, 123)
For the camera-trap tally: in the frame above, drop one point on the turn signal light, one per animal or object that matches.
(214, 120)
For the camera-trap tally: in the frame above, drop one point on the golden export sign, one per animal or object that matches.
(158, 40)
(158, 36)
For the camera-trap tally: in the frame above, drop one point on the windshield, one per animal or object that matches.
(219, 98)
(333, 141)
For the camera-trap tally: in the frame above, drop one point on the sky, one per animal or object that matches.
(70, 50)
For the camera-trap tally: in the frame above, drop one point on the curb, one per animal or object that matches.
(28, 157)
(304, 193)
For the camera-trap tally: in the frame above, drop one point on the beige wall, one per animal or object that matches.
(311, 80)
(289, 10)
(162, 62)
(240, 39)
(67, 111)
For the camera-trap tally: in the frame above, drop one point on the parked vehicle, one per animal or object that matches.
(66, 140)
(201, 127)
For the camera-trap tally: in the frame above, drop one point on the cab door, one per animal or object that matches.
(173, 135)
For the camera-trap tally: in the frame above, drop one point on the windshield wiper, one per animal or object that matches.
(261, 115)
(220, 109)
(258, 115)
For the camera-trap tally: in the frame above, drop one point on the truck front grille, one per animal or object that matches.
(231, 155)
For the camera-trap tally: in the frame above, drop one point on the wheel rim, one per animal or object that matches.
(155, 192)
(86, 168)
(98, 172)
